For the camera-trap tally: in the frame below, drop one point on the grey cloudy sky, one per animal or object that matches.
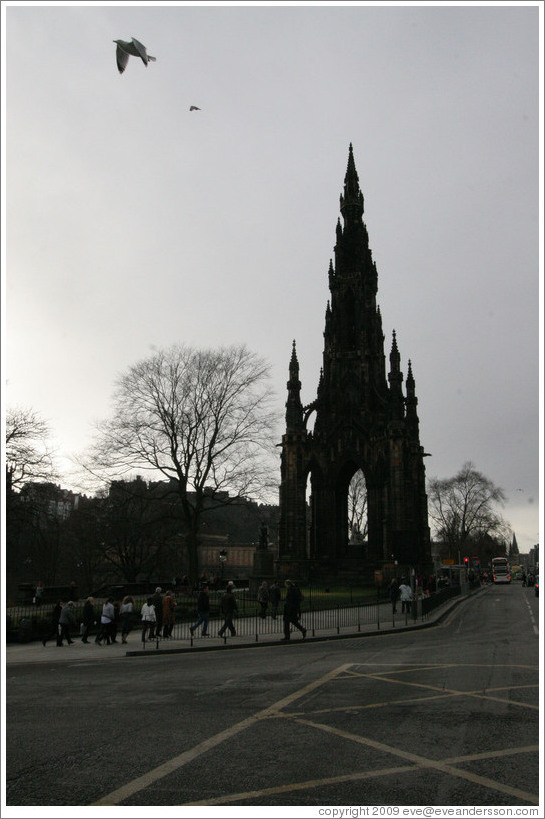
(133, 224)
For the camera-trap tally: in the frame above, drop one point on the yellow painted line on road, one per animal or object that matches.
(453, 692)
(370, 705)
(126, 791)
(424, 762)
(276, 711)
(301, 786)
(407, 668)
(354, 777)
(524, 749)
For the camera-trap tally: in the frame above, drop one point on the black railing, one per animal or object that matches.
(319, 614)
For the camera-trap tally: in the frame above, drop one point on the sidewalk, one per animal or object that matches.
(35, 652)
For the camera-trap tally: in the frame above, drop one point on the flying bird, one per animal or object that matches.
(125, 49)
(194, 108)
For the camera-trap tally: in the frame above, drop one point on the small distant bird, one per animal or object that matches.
(194, 108)
(125, 49)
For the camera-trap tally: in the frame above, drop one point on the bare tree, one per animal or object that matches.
(29, 456)
(357, 507)
(464, 509)
(202, 419)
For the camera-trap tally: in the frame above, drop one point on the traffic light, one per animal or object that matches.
(466, 562)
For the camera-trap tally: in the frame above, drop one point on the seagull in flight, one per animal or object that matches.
(194, 108)
(125, 49)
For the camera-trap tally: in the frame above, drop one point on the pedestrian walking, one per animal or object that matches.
(203, 612)
(157, 603)
(263, 598)
(275, 596)
(292, 607)
(67, 620)
(38, 593)
(229, 608)
(106, 620)
(88, 618)
(147, 615)
(169, 616)
(125, 617)
(55, 629)
(406, 596)
(393, 591)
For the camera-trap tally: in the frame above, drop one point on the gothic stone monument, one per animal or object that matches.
(363, 421)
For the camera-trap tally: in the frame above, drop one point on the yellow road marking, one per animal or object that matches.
(177, 762)
(354, 777)
(453, 692)
(276, 711)
(406, 700)
(424, 762)
(301, 786)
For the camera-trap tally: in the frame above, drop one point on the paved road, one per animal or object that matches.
(439, 716)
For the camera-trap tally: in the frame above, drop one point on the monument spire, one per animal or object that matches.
(294, 407)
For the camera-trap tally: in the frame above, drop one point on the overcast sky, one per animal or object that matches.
(133, 223)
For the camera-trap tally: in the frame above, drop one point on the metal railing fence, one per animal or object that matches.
(318, 615)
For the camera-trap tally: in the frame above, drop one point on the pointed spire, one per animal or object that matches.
(351, 179)
(294, 408)
(410, 379)
(411, 403)
(395, 378)
(395, 358)
(352, 199)
(294, 364)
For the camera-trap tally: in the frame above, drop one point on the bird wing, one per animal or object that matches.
(122, 59)
(141, 50)
(194, 108)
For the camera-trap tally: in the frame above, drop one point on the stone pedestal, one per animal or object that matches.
(263, 568)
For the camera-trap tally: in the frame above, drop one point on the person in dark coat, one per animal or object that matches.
(393, 591)
(67, 620)
(292, 607)
(157, 603)
(88, 618)
(54, 633)
(229, 608)
(203, 612)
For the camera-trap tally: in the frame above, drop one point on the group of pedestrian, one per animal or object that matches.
(266, 595)
(114, 617)
(158, 615)
(400, 592)
(63, 621)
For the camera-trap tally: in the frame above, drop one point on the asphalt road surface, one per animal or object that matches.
(441, 716)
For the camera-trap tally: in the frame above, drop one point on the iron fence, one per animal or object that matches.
(319, 615)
